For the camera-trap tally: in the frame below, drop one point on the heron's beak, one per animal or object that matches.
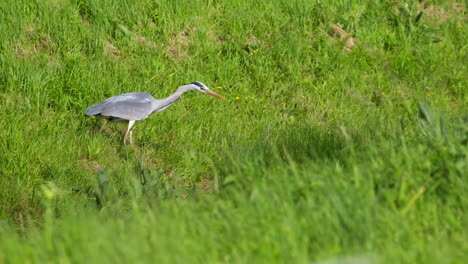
(214, 94)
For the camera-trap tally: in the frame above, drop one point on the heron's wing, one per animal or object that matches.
(128, 110)
(130, 106)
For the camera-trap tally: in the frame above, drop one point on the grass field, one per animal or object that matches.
(343, 139)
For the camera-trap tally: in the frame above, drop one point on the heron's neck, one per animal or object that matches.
(166, 102)
(176, 95)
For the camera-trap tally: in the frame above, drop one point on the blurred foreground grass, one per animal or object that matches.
(344, 134)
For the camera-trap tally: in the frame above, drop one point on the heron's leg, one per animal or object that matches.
(131, 138)
(130, 124)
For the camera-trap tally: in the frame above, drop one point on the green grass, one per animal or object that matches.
(323, 151)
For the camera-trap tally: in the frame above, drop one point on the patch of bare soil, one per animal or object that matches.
(35, 44)
(206, 184)
(111, 50)
(144, 41)
(338, 31)
(438, 14)
(179, 45)
(89, 164)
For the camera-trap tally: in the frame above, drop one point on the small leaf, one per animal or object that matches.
(443, 128)
(103, 180)
(137, 187)
(192, 192)
(123, 29)
(425, 113)
(102, 177)
(405, 9)
(418, 17)
(229, 180)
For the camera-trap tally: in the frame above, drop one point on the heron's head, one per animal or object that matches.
(204, 89)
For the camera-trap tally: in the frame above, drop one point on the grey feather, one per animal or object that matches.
(129, 106)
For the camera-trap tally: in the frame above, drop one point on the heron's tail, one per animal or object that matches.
(93, 110)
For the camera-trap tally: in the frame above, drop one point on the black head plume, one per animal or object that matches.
(199, 84)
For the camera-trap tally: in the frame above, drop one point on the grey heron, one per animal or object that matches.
(132, 107)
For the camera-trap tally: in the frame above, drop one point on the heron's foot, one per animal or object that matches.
(130, 140)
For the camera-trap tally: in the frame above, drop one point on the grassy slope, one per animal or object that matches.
(317, 152)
